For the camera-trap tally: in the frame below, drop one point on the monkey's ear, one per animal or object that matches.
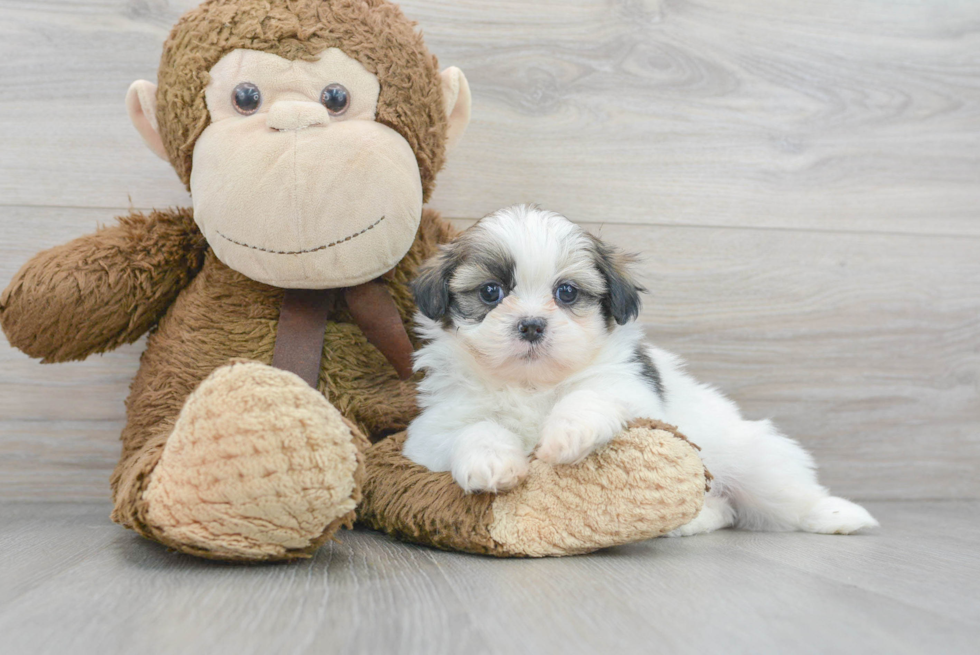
(431, 287)
(456, 94)
(141, 103)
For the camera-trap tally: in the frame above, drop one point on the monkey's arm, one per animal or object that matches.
(104, 289)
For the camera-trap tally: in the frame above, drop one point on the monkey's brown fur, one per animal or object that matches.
(374, 32)
(222, 316)
(218, 316)
(648, 480)
(102, 290)
(156, 272)
(109, 288)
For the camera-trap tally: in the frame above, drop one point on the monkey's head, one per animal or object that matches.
(309, 133)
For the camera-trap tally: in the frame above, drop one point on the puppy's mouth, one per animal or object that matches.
(533, 352)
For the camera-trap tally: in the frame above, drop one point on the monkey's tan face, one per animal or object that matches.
(294, 183)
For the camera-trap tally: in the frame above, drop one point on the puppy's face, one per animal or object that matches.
(530, 295)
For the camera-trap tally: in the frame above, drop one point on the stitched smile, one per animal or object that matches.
(303, 252)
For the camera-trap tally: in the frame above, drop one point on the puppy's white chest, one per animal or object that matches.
(523, 412)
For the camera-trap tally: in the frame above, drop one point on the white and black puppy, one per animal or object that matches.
(531, 348)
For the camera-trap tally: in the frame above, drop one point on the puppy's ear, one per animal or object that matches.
(431, 287)
(622, 301)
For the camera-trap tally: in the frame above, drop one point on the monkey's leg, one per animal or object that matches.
(648, 481)
(256, 466)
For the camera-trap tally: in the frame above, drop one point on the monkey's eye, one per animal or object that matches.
(335, 98)
(491, 293)
(246, 97)
(566, 294)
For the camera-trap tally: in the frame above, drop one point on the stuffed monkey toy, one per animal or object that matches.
(309, 133)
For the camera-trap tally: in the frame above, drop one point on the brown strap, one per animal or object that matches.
(303, 322)
(375, 313)
(299, 339)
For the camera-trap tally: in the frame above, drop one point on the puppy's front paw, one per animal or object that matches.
(566, 440)
(490, 469)
(578, 424)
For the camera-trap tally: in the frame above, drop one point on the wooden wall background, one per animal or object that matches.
(802, 178)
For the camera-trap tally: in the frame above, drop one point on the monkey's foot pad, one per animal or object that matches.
(259, 466)
(645, 483)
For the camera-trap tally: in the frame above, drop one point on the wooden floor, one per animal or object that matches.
(72, 582)
(802, 180)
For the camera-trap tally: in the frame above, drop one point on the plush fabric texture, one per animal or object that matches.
(102, 290)
(225, 457)
(141, 105)
(374, 32)
(456, 96)
(645, 483)
(259, 466)
(410, 502)
(223, 316)
(332, 206)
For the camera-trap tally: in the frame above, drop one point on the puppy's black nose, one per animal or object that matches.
(531, 329)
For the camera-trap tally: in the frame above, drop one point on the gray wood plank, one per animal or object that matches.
(42, 541)
(74, 582)
(830, 115)
(707, 594)
(835, 115)
(67, 460)
(930, 548)
(129, 595)
(865, 347)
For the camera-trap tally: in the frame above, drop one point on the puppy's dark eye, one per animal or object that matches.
(566, 294)
(491, 293)
(335, 98)
(246, 97)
